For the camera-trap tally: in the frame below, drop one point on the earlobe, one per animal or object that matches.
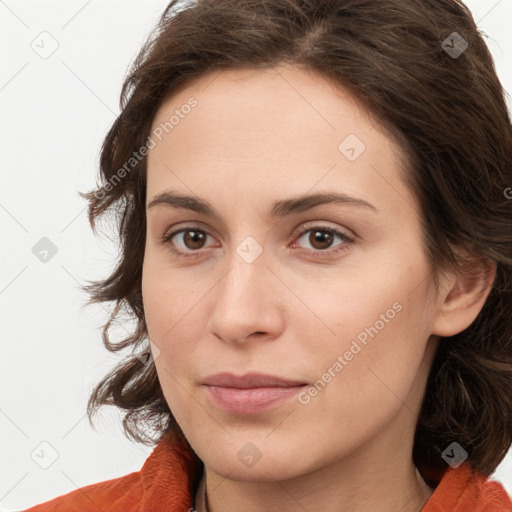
(462, 296)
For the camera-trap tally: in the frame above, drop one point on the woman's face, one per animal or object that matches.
(298, 255)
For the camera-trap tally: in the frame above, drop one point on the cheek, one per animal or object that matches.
(364, 303)
(361, 386)
(379, 327)
(175, 323)
(384, 376)
(165, 310)
(167, 295)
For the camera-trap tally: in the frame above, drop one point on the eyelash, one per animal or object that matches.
(167, 240)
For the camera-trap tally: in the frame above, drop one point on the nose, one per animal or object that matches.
(248, 303)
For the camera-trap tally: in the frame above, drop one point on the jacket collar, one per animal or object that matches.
(171, 475)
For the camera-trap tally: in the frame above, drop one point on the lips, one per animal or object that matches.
(250, 380)
(251, 393)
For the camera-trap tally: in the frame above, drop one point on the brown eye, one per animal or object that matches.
(194, 239)
(320, 239)
(186, 240)
(323, 240)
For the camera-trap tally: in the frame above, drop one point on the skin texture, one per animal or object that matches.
(256, 137)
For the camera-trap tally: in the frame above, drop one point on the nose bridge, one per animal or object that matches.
(245, 301)
(244, 283)
(247, 263)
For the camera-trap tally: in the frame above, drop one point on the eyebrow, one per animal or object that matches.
(280, 208)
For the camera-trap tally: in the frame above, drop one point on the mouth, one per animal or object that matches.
(251, 393)
(250, 380)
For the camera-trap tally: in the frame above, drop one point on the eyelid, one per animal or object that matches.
(324, 225)
(186, 225)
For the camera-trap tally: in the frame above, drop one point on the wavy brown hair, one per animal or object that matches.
(446, 112)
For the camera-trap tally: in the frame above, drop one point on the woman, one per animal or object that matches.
(314, 209)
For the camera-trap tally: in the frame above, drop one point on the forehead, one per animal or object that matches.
(257, 104)
(280, 127)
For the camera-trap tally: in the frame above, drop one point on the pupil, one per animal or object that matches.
(196, 239)
(322, 237)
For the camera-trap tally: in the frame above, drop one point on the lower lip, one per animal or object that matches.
(250, 400)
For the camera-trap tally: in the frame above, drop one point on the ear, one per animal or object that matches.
(462, 295)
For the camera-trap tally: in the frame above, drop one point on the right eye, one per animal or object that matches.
(186, 241)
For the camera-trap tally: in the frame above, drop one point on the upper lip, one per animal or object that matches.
(249, 380)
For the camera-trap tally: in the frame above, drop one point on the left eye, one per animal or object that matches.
(322, 238)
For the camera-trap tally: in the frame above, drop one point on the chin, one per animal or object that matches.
(258, 461)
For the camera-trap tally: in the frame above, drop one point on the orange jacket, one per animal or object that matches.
(169, 478)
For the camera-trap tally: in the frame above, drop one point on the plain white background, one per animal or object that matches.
(55, 112)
